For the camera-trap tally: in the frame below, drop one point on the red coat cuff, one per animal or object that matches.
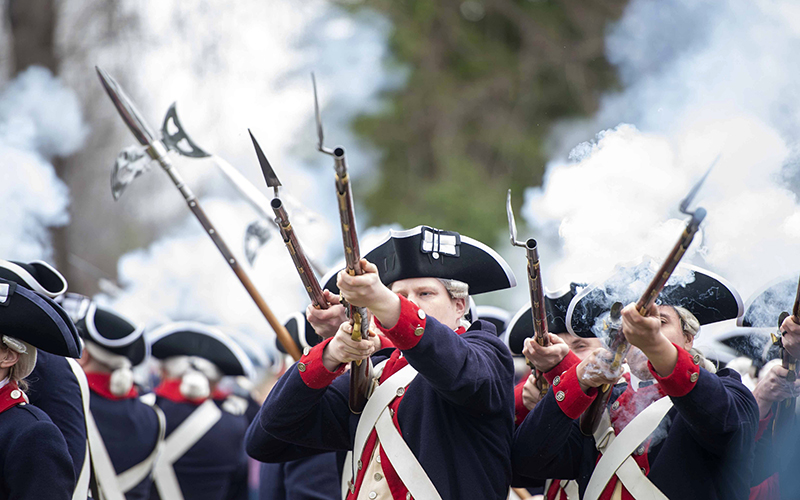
(683, 378)
(763, 425)
(312, 369)
(520, 412)
(570, 360)
(409, 328)
(569, 395)
(385, 342)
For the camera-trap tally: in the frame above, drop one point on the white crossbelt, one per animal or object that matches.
(82, 487)
(178, 443)
(617, 451)
(376, 416)
(139, 472)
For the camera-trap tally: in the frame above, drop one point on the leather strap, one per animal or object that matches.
(178, 443)
(130, 478)
(617, 450)
(82, 487)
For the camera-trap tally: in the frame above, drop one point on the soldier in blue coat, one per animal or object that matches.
(56, 385)
(673, 430)
(33, 453)
(440, 420)
(203, 456)
(124, 432)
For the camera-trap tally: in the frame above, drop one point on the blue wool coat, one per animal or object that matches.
(34, 460)
(457, 415)
(215, 468)
(707, 453)
(129, 429)
(53, 388)
(312, 478)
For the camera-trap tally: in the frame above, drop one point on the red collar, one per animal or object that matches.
(100, 384)
(7, 396)
(170, 388)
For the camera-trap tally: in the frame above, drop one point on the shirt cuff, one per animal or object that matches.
(312, 369)
(409, 328)
(569, 395)
(683, 377)
(570, 360)
(520, 411)
(763, 425)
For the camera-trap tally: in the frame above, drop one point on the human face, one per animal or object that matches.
(8, 358)
(432, 297)
(582, 347)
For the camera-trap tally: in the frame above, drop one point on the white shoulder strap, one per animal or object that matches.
(82, 486)
(178, 443)
(104, 472)
(139, 472)
(617, 452)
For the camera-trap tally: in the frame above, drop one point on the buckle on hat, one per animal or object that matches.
(437, 242)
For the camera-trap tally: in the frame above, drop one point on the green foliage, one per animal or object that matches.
(486, 80)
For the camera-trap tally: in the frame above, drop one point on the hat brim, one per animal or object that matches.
(494, 315)
(188, 338)
(301, 331)
(521, 325)
(114, 333)
(708, 296)
(764, 307)
(38, 276)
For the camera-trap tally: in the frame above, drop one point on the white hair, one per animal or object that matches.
(26, 363)
(197, 375)
(689, 323)
(458, 290)
(121, 373)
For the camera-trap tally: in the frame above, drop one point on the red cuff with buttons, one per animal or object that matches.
(569, 395)
(520, 411)
(409, 328)
(570, 360)
(683, 378)
(312, 369)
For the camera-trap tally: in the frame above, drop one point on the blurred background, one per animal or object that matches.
(599, 115)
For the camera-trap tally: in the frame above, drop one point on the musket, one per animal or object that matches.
(785, 410)
(536, 289)
(157, 148)
(301, 263)
(360, 373)
(617, 344)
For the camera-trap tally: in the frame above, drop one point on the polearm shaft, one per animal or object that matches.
(618, 345)
(785, 410)
(157, 151)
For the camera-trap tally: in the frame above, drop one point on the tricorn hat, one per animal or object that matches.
(38, 275)
(301, 331)
(555, 305)
(495, 315)
(37, 320)
(188, 338)
(764, 307)
(706, 295)
(114, 333)
(425, 252)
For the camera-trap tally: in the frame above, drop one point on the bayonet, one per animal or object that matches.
(157, 150)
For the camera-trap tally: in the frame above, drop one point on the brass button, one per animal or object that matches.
(306, 350)
(642, 469)
(615, 405)
(557, 380)
(560, 396)
(418, 331)
(391, 414)
(696, 359)
(408, 496)
(640, 450)
(351, 486)
(16, 394)
(694, 377)
(360, 465)
(378, 476)
(421, 314)
(401, 391)
(373, 495)
(301, 367)
(378, 458)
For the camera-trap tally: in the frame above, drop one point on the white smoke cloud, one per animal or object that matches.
(40, 118)
(701, 78)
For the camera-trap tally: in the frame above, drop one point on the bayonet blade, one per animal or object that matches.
(684, 206)
(266, 168)
(512, 224)
(130, 115)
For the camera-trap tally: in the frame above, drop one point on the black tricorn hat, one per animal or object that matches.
(36, 319)
(706, 295)
(495, 315)
(555, 305)
(764, 307)
(425, 252)
(301, 331)
(114, 333)
(751, 342)
(38, 276)
(188, 338)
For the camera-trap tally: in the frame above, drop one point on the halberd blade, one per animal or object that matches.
(130, 115)
(684, 206)
(266, 168)
(179, 141)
